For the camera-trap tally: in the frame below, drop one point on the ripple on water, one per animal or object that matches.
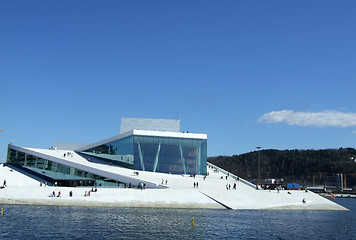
(48, 222)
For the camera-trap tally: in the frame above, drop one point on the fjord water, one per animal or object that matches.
(54, 222)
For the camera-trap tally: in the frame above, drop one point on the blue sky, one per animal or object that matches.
(275, 74)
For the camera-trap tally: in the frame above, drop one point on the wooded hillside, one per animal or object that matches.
(302, 166)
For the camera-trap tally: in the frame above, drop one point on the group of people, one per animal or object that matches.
(228, 186)
(43, 183)
(214, 169)
(142, 186)
(222, 177)
(54, 194)
(164, 182)
(195, 184)
(68, 154)
(87, 193)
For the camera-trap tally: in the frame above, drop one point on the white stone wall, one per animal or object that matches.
(167, 125)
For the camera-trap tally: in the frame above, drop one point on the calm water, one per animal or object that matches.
(50, 222)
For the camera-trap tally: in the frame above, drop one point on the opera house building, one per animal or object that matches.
(149, 154)
(153, 145)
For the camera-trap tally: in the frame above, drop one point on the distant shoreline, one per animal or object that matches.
(339, 195)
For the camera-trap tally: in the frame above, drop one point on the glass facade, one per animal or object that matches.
(170, 155)
(156, 154)
(118, 152)
(54, 172)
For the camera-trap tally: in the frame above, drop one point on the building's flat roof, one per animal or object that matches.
(170, 134)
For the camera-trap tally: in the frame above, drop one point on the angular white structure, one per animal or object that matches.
(162, 190)
(171, 167)
(138, 150)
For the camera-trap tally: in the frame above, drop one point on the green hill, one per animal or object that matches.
(306, 167)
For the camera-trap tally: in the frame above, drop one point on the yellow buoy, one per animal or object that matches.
(2, 210)
(192, 222)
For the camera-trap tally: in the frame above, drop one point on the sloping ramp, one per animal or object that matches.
(222, 204)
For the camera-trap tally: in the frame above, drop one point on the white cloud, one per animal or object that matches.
(319, 119)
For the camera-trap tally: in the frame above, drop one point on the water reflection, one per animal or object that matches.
(45, 222)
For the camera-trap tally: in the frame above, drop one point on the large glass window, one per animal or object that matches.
(118, 152)
(170, 155)
(56, 173)
(155, 154)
